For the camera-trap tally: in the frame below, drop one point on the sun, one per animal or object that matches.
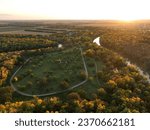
(127, 20)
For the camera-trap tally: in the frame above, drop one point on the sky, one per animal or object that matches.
(74, 9)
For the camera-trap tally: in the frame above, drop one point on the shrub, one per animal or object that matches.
(74, 96)
(64, 84)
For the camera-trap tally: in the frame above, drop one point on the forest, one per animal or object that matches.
(38, 76)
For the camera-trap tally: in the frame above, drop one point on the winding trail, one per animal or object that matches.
(52, 93)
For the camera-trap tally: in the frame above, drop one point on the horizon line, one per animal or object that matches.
(73, 20)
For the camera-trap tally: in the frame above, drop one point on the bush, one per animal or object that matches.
(29, 84)
(73, 96)
(101, 91)
(43, 82)
(64, 84)
(83, 75)
(15, 79)
(6, 94)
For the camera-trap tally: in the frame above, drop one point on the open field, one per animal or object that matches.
(30, 28)
(54, 71)
(23, 32)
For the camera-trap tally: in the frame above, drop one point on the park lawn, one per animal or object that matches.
(44, 74)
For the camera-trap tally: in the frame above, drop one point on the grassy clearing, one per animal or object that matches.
(51, 72)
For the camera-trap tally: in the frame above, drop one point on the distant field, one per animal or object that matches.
(19, 30)
(24, 32)
(32, 27)
(9, 28)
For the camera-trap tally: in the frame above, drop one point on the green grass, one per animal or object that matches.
(44, 74)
